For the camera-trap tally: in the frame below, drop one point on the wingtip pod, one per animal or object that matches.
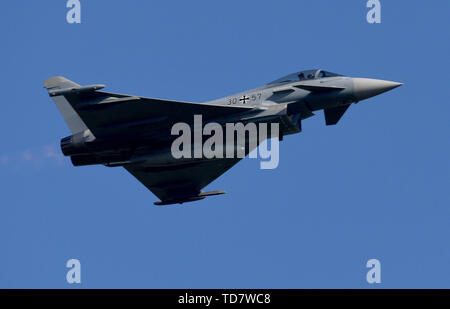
(188, 199)
(75, 90)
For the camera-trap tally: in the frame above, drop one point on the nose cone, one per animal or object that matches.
(364, 88)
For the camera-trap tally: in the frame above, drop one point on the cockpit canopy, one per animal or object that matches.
(304, 75)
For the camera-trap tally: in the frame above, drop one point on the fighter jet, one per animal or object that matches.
(135, 132)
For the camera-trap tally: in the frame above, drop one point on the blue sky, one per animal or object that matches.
(375, 186)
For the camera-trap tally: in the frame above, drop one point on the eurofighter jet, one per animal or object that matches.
(135, 132)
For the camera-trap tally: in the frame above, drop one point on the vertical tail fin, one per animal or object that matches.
(73, 120)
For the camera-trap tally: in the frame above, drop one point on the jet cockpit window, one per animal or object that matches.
(322, 74)
(304, 75)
